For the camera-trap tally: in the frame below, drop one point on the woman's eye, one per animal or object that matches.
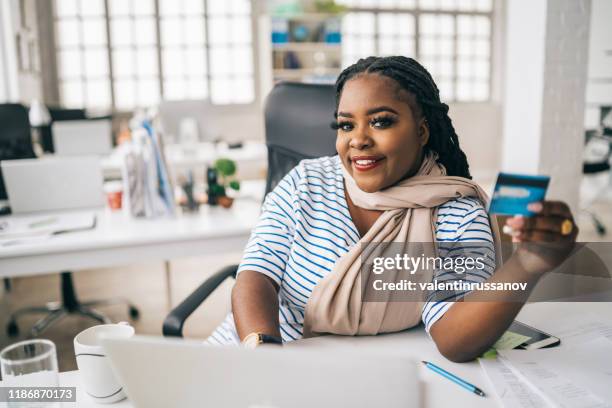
(381, 123)
(345, 126)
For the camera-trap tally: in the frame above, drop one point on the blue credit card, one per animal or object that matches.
(513, 192)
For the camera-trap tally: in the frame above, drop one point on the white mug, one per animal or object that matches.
(95, 371)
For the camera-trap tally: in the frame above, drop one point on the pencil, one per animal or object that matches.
(454, 378)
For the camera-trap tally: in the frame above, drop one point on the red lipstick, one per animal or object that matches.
(365, 163)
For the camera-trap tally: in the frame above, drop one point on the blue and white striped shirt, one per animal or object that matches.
(305, 227)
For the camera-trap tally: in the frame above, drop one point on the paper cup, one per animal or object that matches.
(114, 194)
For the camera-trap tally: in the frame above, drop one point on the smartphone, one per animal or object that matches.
(538, 339)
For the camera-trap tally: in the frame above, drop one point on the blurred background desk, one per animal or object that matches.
(118, 240)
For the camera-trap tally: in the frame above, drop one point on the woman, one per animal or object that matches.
(393, 131)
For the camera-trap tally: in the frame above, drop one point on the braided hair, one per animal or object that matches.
(414, 78)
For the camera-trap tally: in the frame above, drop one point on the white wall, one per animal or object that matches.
(599, 85)
(8, 62)
(19, 86)
(524, 50)
(29, 82)
(478, 126)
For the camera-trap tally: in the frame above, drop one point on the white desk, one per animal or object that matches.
(118, 239)
(438, 391)
(121, 240)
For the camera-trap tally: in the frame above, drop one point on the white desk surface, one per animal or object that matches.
(438, 391)
(118, 239)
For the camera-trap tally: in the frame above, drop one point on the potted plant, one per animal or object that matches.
(220, 178)
(330, 7)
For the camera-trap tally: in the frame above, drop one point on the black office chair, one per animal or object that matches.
(15, 136)
(298, 118)
(15, 143)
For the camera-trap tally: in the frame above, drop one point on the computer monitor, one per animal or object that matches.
(82, 137)
(58, 115)
(53, 183)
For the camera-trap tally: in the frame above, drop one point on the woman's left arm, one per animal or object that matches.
(470, 327)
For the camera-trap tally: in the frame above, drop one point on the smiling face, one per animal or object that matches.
(380, 139)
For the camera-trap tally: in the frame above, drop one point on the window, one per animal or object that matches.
(231, 69)
(133, 47)
(132, 53)
(82, 53)
(183, 40)
(451, 38)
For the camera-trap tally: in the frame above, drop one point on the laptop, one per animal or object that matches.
(159, 372)
(82, 137)
(53, 184)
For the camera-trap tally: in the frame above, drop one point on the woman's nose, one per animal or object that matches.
(360, 141)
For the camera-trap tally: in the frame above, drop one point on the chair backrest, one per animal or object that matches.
(15, 136)
(298, 118)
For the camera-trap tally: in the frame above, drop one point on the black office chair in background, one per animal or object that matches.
(15, 143)
(15, 136)
(297, 120)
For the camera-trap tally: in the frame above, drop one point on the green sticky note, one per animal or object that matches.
(510, 340)
(490, 354)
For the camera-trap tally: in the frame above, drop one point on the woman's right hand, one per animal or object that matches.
(546, 239)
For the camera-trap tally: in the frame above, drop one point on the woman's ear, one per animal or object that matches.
(423, 132)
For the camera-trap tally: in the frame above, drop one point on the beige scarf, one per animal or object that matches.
(410, 210)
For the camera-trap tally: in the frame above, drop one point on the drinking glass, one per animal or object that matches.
(30, 363)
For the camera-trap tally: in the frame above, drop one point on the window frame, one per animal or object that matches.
(109, 47)
(416, 11)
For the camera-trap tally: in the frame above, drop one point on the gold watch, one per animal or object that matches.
(254, 340)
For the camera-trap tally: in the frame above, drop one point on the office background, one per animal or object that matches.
(524, 81)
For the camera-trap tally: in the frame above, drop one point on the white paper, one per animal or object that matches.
(587, 365)
(571, 377)
(37, 239)
(510, 390)
(558, 389)
(577, 333)
(27, 226)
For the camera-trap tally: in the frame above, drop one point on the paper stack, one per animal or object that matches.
(147, 188)
(31, 228)
(576, 375)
